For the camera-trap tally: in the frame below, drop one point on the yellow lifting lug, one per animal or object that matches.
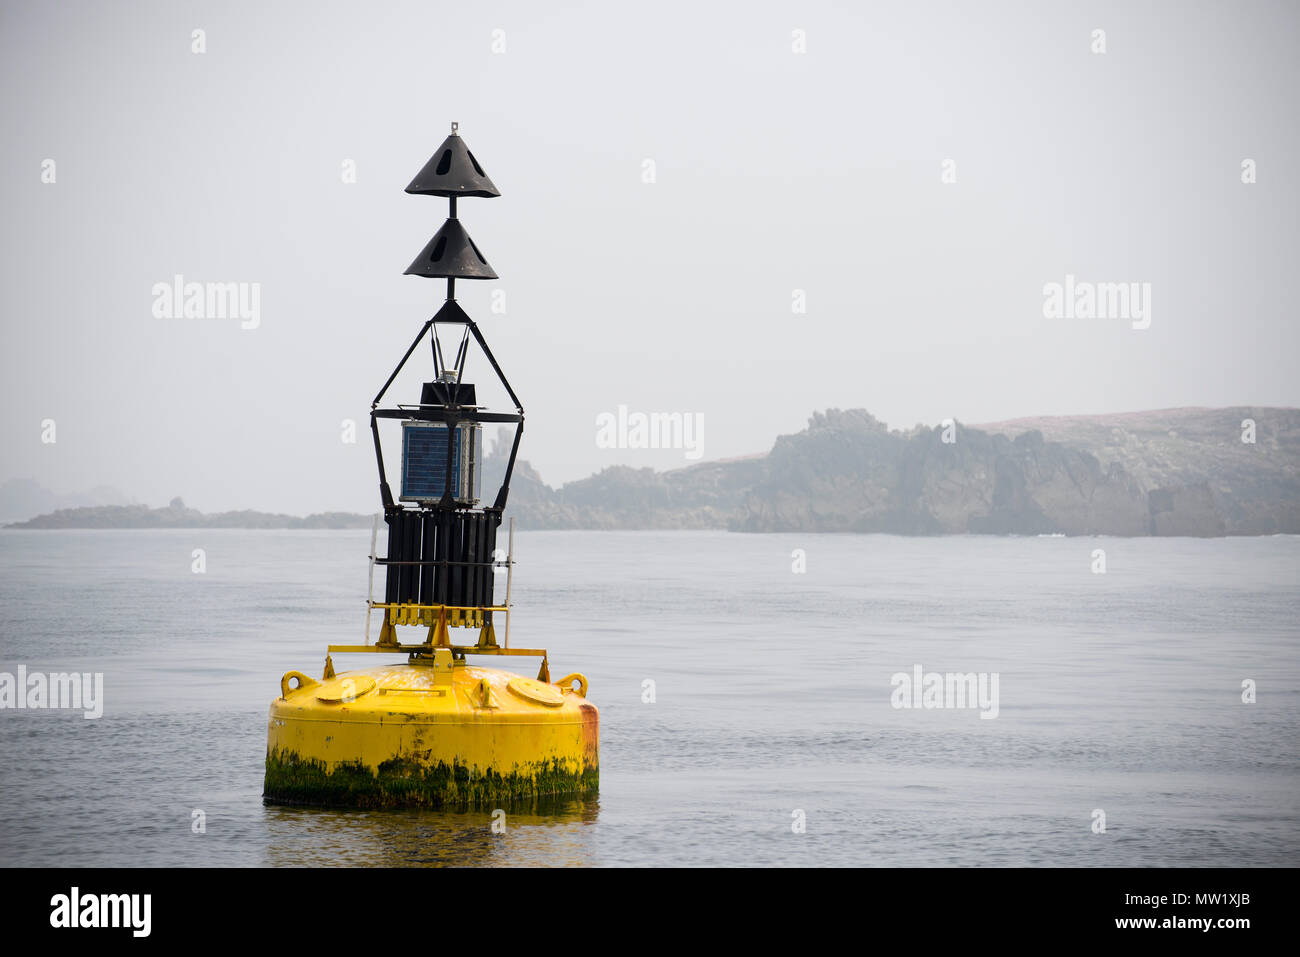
(302, 679)
(486, 698)
(566, 684)
(329, 668)
(545, 673)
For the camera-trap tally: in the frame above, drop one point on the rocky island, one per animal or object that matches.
(178, 515)
(1190, 471)
(1202, 472)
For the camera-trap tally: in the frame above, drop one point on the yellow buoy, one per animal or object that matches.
(436, 731)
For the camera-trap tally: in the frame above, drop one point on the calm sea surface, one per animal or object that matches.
(1119, 692)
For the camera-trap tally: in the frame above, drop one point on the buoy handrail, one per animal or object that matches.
(415, 607)
(413, 613)
(423, 648)
(486, 563)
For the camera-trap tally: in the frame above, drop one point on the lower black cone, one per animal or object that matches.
(451, 254)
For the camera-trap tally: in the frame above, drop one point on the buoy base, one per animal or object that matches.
(401, 782)
(441, 734)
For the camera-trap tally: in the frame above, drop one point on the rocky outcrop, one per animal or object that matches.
(847, 472)
(1176, 472)
(701, 496)
(1238, 466)
(1186, 511)
(1154, 473)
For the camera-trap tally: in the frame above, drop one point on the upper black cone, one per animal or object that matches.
(451, 254)
(452, 171)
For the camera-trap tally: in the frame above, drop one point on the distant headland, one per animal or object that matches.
(1188, 471)
(178, 515)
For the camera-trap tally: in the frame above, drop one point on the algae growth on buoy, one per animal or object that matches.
(436, 731)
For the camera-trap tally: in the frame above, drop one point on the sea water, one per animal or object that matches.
(750, 693)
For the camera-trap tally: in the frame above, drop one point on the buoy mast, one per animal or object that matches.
(436, 731)
(441, 563)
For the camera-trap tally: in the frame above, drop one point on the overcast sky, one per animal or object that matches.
(774, 170)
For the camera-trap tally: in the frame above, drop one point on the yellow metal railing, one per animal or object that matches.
(458, 616)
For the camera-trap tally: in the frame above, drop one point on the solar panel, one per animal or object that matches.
(424, 462)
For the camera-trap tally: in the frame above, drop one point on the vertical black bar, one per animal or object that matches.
(475, 572)
(392, 573)
(417, 538)
(466, 538)
(411, 552)
(475, 535)
(489, 552)
(397, 552)
(484, 570)
(428, 553)
(444, 553)
(458, 555)
(471, 555)
(484, 560)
